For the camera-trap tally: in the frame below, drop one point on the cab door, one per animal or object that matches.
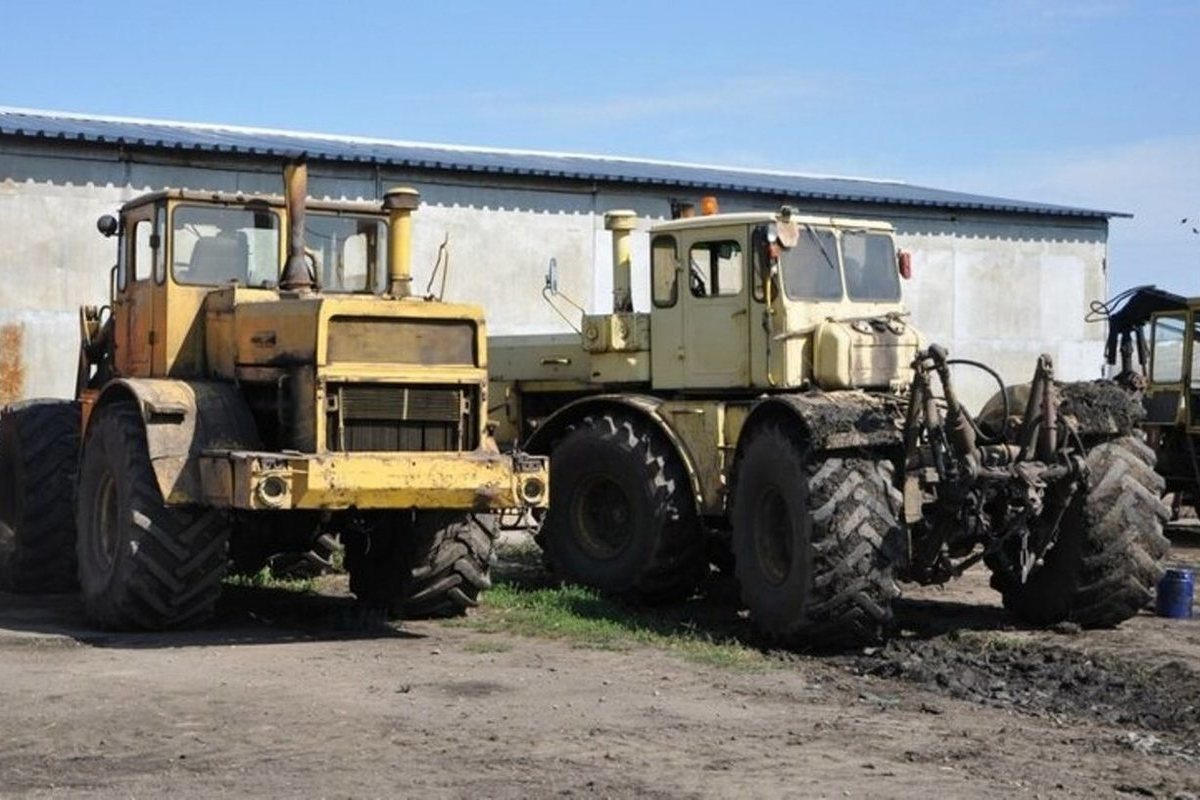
(133, 307)
(1170, 352)
(715, 296)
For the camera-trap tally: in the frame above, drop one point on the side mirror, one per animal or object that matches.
(904, 264)
(107, 225)
(552, 277)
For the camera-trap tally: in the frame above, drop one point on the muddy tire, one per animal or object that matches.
(1108, 557)
(623, 519)
(431, 566)
(39, 452)
(143, 565)
(815, 541)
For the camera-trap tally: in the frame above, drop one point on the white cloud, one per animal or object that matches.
(1157, 180)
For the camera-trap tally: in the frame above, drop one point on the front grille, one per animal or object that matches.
(392, 418)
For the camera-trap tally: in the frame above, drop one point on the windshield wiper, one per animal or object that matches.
(821, 245)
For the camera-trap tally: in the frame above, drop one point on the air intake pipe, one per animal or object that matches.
(296, 277)
(621, 223)
(400, 203)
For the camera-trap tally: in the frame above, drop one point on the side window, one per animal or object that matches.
(160, 254)
(664, 265)
(715, 269)
(143, 255)
(1194, 375)
(1167, 358)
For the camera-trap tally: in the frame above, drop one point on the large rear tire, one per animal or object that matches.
(1108, 557)
(39, 453)
(428, 565)
(623, 519)
(142, 564)
(815, 540)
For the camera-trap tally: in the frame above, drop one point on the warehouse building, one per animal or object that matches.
(994, 279)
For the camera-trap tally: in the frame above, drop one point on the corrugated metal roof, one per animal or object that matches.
(205, 138)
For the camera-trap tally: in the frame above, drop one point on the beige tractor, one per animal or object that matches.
(262, 375)
(775, 410)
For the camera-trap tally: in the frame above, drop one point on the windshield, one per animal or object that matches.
(809, 269)
(345, 252)
(869, 260)
(212, 246)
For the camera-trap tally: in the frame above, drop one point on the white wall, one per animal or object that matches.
(993, 289)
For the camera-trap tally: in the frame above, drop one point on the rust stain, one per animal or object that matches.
(12, 364)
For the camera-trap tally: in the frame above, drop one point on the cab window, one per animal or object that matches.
(810, 269)
(344, 252)
(715, 269)
(143, 253)
(212, 246)
(1167, 357)
(869, 263)
(664, 266)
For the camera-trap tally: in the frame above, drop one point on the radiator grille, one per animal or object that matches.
(389, 418)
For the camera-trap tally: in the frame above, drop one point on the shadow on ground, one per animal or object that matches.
(245, 615)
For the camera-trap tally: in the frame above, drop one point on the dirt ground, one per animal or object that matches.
(277, 698)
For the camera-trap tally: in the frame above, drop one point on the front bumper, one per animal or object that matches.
(476, 481)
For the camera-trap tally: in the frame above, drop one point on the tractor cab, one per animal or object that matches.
(177, 247)
(764, 300)
(1172, 394)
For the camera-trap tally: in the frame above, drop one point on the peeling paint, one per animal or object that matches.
(12, 363)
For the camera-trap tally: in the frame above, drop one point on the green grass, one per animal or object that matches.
(263, 579)
(584, 618)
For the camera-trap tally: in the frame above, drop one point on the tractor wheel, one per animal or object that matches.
(39, 452)
(1107, 559)
(433, 565)
(623, 519)
(142, 564)
(815, 540)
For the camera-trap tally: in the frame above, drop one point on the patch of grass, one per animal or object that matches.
(587, 619)
(263, 579)
(484, 646)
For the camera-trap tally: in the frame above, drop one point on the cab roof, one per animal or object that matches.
(762, 217)
(241, 198)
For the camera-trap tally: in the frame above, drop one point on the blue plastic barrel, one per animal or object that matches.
(1175, 592)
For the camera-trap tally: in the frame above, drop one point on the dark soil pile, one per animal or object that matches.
(1045, 680)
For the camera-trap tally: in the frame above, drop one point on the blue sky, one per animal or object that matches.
(1087, 102)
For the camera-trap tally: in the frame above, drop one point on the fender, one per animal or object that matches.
(182, 419)
(643, 406)
(836, 421)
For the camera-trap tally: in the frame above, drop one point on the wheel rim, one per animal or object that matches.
(773, 538)
(603, 517)
(105, 521)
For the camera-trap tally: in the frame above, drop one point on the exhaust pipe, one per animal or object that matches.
(400, 203)
(621, 223)
(296, 277)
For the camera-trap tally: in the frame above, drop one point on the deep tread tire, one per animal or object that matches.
(1109, 554)
(623, 519)
(433, 566)
(815, 540)
(142, 564)
(39, 453)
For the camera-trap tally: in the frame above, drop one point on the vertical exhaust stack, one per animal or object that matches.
(621, 223)
(400, 203)
(296, 277)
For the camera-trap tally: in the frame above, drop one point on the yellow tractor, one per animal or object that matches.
(261, 375)
(775, 412)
